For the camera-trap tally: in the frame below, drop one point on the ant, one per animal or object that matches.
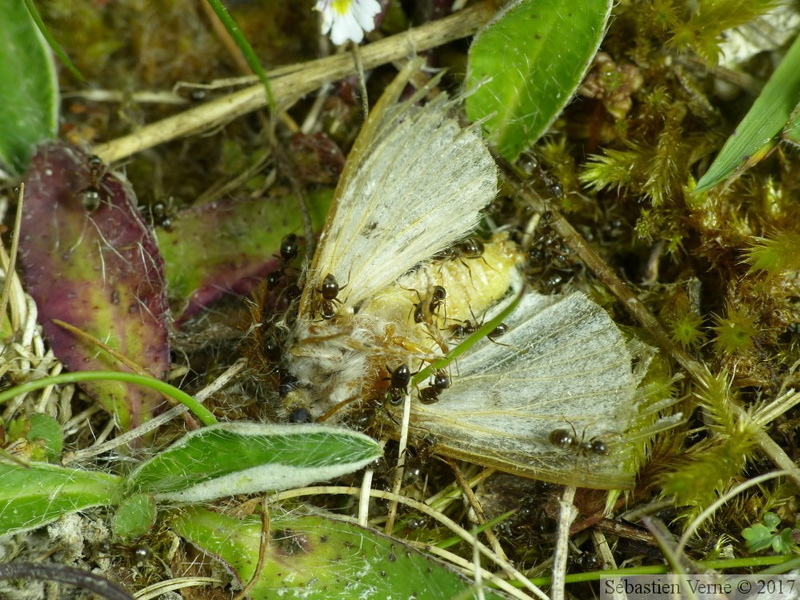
(330, 291)
(438, 295)
(289, 247)
(467, 328)
(288, 251)
(300, 415)
(466, 248)
(430, 395)
(437, 298)
(137, 553)
(531, 166)
(161, 213)
(91, 195)
(471, 248)
(564, 438)
(398, 383)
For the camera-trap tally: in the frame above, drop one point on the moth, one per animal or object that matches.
(393, 284)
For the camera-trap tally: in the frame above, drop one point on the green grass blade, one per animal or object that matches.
(527, 64)
(41, 493)
(759, 130)
(58, 50)
(247, 50)
(28, 87)
(483, 331)
(198, 409)
(244, 458)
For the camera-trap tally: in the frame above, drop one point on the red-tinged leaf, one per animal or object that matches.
(89, 260)
(228, 247)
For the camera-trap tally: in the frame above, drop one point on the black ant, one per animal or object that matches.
(564, 438)
(498, 331)
(466, 248)
(301, 415)
(288, 252)
(531, 166)
(289, 247)
(464, 329)
(398, 383)
(471, 248)
(438, 295)
(274, 278)
(430, 395)
(437, 298)
(467, 328)
(330, 290)
(91, 195)
(161, 213)
(137, 553)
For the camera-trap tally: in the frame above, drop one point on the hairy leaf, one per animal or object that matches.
(90, 261)
(243, 458)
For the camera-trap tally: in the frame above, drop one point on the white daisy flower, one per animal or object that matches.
(347, 19)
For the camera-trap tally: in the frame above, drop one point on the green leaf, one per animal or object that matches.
(42, 432)
(758, 132)
(134, 517)
(57, 50)
(244, 458)
(28, 87)
(212, 248)
(791, 132)
(47, 429)
(782, 543)
(34, 496)
(526, 64)
(771, 520)
(316, 557)
(765, 534)
(757, 537)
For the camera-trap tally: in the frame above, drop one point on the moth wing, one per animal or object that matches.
(415, 183)
(562, 364)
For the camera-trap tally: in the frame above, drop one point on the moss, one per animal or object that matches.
(735, 332)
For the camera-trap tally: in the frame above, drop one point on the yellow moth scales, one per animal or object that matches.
(414, 185)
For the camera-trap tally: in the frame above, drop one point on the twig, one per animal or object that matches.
(10, 273)
(476, 506)
(263, 546)
(297, 81)
(566, 515)
(64, 574)
(466, 568)
(401, 462)
(666, 544)
(363, 499)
